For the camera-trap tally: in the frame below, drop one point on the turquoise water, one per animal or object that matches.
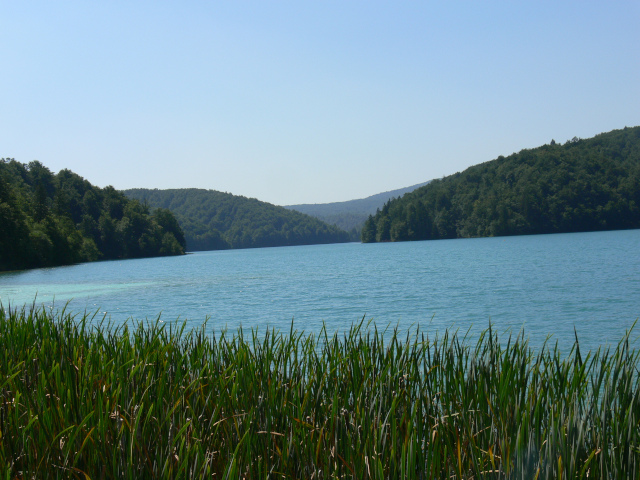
(546, 284)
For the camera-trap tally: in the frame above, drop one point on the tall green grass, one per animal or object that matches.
(84, 399)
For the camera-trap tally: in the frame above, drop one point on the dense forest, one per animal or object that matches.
(51, 219)
(352, 214)
(582, 185)
(214, 220)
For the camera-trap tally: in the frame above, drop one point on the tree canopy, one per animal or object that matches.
(51, 219)
(214, 220)
(582, 185)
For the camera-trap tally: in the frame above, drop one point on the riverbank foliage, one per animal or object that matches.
(583, 185)
(49, 219)
(214, 220)
(80, 398)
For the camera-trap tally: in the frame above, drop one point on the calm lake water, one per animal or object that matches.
(546, 284)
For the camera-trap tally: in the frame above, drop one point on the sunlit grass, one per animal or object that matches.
(156, 401)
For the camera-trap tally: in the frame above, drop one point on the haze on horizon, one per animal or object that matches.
(299, 102)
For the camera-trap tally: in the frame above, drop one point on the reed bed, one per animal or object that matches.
(81, 398)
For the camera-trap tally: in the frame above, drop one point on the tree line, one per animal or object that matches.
(214, 220)
(49, 219)
(581, 185)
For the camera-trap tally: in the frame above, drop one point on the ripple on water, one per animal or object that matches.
(546, 284)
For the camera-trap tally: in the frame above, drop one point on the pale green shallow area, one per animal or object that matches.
(546, 284)
(65, 292)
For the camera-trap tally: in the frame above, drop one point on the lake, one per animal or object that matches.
(544, 284)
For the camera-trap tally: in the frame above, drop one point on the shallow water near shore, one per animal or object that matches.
(544, 284)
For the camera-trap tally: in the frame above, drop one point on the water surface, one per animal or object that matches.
(546, 284)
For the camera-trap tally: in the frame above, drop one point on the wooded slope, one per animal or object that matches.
(583, 185)
(352, 214)
(51, 219)
(215, 220)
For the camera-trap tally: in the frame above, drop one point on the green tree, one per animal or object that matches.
(40, 205)
(399, 231)
(170, 224)
(14, 233)
(383, 229)
(369, 230)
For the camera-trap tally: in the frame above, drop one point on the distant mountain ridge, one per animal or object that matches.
(351, 214)
(213, 220)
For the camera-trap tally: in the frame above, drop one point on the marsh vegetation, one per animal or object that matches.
(82, 398)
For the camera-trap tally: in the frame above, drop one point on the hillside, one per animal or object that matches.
(214, 220)
(51, 219)
(351, 215)
(583, 185)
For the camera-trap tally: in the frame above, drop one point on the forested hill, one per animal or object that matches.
(583, 185)
(214, 220)
(351, 215)
(51, 219)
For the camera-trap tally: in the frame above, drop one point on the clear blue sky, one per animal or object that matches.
(307, 102)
